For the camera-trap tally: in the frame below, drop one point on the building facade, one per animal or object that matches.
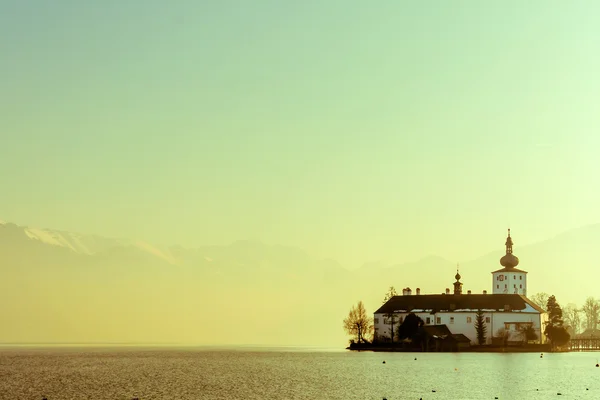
(506, 311)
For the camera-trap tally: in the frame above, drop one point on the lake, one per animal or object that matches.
(290, 373)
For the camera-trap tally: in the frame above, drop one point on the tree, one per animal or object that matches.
(480, 327)
(390, 317)
(410, 327)
(503, 334)
(591, 311)
(541, 299)
(390, 293)
(358, 323)
(528, 332)
(555, 330)
(572, 316)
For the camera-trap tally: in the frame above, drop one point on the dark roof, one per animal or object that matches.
(437, 330)
(509, 270)
(459, 337)
(456, 302)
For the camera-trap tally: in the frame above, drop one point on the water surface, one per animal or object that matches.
(291, 373)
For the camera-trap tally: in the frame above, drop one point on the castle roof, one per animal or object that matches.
(509, 270)
(459, 303)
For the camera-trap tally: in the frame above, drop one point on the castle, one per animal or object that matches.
(506, 311)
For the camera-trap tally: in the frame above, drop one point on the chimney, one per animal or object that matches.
(418, 291)
(409, 291)
(485, 292)
(468, 292)
(447, 291)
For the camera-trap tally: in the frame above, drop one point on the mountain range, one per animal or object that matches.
(61, 286)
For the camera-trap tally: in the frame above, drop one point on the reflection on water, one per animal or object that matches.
(291, 373)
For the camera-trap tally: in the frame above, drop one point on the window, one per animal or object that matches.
(428, 320)
(520, 286)
(505, 286)
(515, 285)
(506, 277)
(401, 320)
(451, 320)
(468, 320)
(487, 320)
(376, 320)
(438, 320)
(514, 276)
(520, 277)
(497, 286)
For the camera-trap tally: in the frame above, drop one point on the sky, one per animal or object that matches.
(357, 131)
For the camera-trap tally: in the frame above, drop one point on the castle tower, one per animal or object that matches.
(509, 280)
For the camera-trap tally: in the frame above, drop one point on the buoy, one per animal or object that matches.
(383, 361)
(433, 391)
(415, 358)
(597, 365)
(558, 394)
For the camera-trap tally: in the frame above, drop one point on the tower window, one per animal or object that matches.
(515, 285)
(520, 286)
(497, 286)
(514, 276)
(505, 286)
(520, 277)
(506, 277)
(451, 320)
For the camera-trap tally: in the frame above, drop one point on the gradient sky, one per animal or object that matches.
(356, 130)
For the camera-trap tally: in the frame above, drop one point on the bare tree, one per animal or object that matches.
(591, 311)
(572, 317)
(358, 323)
(541, 299)
(390, 318)
(390, 293)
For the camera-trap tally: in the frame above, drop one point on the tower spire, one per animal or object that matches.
(509, 243)
(458, 283)
(509, 260)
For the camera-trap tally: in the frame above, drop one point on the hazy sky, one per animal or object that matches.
(355, 130)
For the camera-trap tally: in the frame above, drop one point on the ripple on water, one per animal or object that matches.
(162, 373)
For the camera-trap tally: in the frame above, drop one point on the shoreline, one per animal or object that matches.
(534, 348)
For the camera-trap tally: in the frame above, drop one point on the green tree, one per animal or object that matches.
(358, 323)
(410, 327)
(528, 332)
(390, 317)
(480, 327)
(555, 330)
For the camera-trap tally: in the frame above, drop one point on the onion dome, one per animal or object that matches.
(509, 260)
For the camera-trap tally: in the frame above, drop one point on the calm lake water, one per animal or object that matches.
(244, 373)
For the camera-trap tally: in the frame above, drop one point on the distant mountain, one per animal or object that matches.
(62, 286)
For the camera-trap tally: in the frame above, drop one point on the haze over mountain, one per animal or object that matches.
(65, 287)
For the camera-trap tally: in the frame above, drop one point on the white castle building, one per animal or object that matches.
(507, 309)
